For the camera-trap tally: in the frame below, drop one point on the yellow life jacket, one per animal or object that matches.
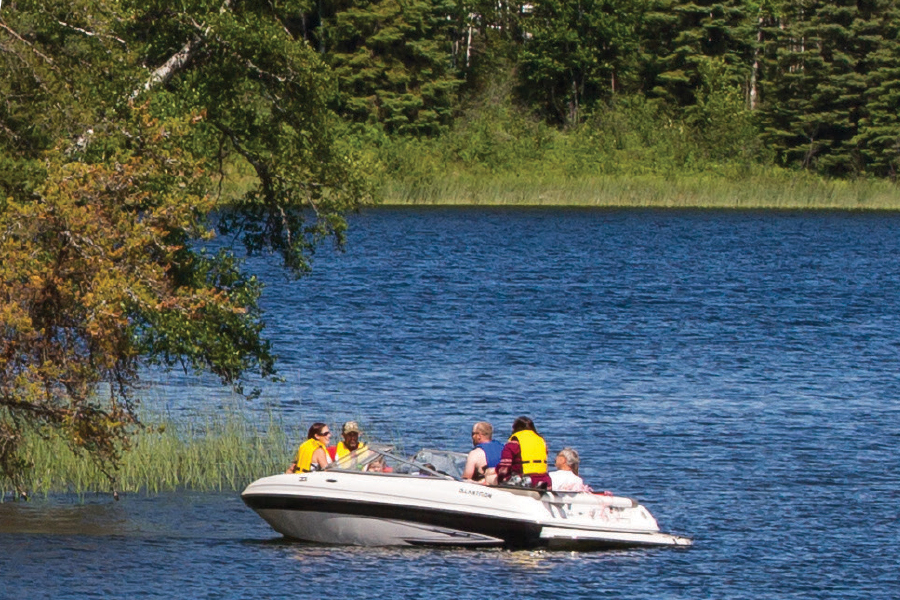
(305, 454)
(533, 450)
(343, 450)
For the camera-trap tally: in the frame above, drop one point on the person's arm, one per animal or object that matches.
(474, 460)
(320, 458)
(293, 467)
(504, 469)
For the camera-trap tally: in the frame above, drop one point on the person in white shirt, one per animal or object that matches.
(565, 478)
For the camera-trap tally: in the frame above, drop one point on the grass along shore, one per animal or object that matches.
(531, 165)
(225, 451)
(651, 191)
(631, 153)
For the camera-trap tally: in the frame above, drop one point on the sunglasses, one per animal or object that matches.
(325, 433)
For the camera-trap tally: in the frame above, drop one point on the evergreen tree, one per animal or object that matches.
(576, 54)
(678, 38)
(879, 129)
(656, 29)
(393, 62)
(819, 55)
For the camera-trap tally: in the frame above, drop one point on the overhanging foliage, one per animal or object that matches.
(117, 122)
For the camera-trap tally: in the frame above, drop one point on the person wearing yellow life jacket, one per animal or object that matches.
(525, 454)
(350, 432)
(312, 453)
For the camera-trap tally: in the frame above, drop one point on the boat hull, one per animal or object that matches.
(560, 538)
(377, 524)
(370, 510)
(343, 529)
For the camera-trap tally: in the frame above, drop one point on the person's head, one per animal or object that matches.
(350, 432)
(482, 432)
(320, 432)
(567, 460)
(523, 423)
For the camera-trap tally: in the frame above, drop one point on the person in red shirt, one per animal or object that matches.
(525, 455)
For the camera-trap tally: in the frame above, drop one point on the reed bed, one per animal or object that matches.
(753, 192)
(222, 451)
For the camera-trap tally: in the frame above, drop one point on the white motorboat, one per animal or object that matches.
(375, 498)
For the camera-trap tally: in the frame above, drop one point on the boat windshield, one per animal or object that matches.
(382, 459)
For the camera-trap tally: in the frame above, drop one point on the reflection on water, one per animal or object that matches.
(181, 515)
(41, 517)
(531, 561)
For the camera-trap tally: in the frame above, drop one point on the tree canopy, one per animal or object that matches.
(117, 124)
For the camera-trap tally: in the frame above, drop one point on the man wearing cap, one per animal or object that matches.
(350, 443)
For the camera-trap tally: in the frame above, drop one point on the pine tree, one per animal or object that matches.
(393, 63)
(681, 36)
(576, 54)
(879, 130)
(815, 94)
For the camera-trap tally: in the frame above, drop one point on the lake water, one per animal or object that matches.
(737, 372)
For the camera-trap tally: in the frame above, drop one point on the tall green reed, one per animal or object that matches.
(212, 451)
(764, 190)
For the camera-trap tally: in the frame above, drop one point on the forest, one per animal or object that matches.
(801, 85)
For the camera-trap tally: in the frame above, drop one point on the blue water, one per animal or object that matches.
(737, 372)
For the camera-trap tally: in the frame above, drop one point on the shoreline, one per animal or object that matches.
(700, 192)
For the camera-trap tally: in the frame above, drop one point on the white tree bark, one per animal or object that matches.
(176, 62)
(754, 73)
(163, 74)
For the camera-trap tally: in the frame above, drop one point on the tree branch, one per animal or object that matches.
(46, 58)
(90, 33)
(164, 74)
(177, 61)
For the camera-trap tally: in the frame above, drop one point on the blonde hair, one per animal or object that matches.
(485, 429)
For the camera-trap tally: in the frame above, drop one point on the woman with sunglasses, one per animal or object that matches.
(312, 454)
